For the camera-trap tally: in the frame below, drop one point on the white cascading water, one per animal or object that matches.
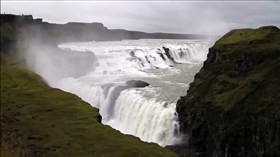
(132, 110)
(151, 120)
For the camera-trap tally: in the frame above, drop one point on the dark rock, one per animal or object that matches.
(232, 108)
(132, 53)
(162, 56)
(147, 59)
(167, 52)
(99, 118)
(136, 84)
(247, 61)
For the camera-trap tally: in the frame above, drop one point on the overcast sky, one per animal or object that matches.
(204, 17)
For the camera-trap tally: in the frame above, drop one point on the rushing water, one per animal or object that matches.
(148, 113)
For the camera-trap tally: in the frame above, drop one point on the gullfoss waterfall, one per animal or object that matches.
(107, 75)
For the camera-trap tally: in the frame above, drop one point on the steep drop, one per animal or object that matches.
(136, 111)
(232, 107)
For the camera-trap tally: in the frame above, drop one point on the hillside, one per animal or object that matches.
(37, 120)
(233, 106)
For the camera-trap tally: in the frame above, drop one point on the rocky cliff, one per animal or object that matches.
(232, 109)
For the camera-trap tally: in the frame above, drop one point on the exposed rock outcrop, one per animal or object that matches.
(136, 84)
(167, 52)
(232, 108)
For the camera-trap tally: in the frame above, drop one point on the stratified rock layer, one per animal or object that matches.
(233, 106)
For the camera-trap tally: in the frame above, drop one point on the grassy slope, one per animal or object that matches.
(37, 120)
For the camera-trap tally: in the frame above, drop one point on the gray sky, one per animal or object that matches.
(203, 17)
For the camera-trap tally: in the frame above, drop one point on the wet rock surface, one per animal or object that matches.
(136, 84)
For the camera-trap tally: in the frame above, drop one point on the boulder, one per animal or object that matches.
(136, 84)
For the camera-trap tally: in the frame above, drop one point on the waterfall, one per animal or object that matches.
(148, 119)
(102, 83)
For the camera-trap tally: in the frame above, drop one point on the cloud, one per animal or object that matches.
(215, 17)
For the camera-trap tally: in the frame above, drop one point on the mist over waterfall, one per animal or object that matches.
(99, 73)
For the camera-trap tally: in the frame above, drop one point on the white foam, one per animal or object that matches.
(128, 110)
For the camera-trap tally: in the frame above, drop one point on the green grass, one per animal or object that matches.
(37, 120)
(247, 35)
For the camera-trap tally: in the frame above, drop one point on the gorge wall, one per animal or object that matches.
(232, 107)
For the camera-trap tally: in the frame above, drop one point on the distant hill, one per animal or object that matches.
(74, 31)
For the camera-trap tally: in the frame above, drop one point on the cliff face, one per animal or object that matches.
(233, 106)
